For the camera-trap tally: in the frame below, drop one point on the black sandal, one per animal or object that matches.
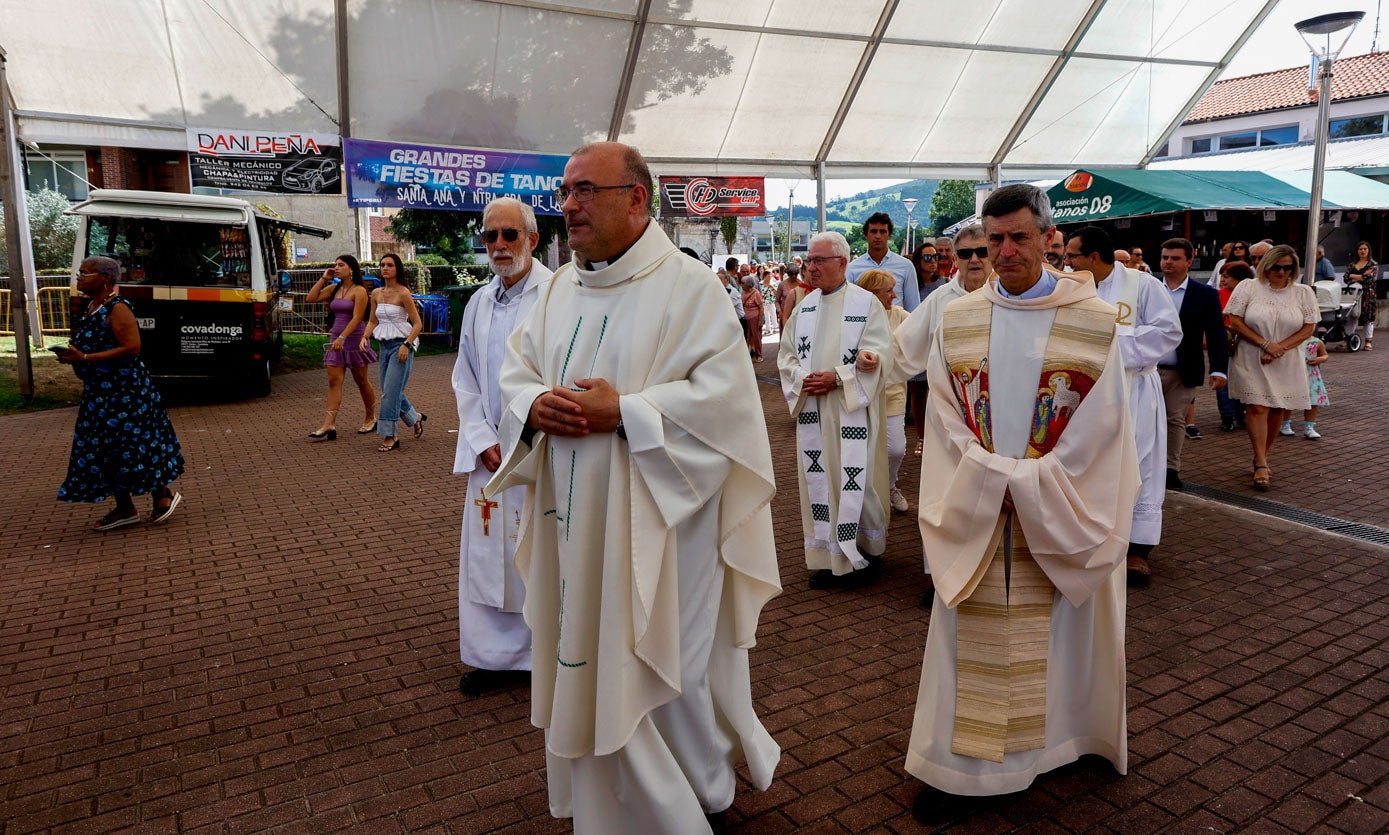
(161, 512)
(419, 426)
(114, 520)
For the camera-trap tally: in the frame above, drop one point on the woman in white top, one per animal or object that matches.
(395, 321)
(1274, 316)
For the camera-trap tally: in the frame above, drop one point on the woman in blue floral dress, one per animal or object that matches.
(123, 444)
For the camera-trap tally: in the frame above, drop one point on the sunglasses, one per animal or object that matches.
(1280, 268)
(509, 235)
(930, 257)
(965, 253)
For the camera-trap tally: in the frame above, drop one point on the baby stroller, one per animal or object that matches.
(1340, 314)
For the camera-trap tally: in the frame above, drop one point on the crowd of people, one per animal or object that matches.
(616, 548)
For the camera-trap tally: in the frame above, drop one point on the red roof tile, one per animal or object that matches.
(1354, 77)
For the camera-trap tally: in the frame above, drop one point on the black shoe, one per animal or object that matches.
(1174, 481)
(718, 821)
(827, 579)
(933, 807)
(1227, 426)
(1193, 432)
(1239, 423)
(478, 682)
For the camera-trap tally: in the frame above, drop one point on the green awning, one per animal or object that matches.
(1105, 195)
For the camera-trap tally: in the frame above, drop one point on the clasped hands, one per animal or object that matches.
(574, 413)
(818, 383)
(1272, 353)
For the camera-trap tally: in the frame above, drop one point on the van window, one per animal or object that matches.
(176, 253)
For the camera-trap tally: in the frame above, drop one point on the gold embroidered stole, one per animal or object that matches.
(1003, 629)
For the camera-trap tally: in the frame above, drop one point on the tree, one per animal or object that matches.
(450, 234)
(53, 233)
(952, 203)
(728, 228)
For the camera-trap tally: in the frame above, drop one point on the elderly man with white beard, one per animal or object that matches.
(492, 634)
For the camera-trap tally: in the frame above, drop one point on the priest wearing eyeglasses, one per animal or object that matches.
(830, 369)
(492, 634)
(647, 549)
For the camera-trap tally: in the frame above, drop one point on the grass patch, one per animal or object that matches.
(55, 386)
(304, 351)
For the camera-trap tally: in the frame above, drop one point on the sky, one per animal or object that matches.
(1275, 45)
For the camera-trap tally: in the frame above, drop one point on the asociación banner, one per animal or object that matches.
(253, 160)
(396, 175)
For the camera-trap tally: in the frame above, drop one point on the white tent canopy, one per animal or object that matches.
(869, 88)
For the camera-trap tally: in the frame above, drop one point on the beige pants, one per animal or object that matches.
(1177, 397)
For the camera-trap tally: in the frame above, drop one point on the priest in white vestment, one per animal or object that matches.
(646, 546)
(492, 634)
(1029, 476)
(1149, 329)
(831, 376)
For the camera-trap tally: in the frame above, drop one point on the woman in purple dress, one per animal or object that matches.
(347, 299)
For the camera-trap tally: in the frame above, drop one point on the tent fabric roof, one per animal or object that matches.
(889, 88)
(1354, 77)
(1107, 195)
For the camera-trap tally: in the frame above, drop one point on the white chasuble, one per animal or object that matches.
(1149, 330)
(1035, 424)
(826, 333)
(647, 560)
(492, 635)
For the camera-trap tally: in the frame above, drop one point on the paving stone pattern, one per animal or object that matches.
(282, 656)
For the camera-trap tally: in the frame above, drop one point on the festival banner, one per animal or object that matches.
(253, 160)
(712, 196)
(395, 175)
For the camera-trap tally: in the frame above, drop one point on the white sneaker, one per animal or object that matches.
(1286, 428)
(899, 501)
(1311, 433)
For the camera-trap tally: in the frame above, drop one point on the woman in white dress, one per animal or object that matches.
(1273, 315)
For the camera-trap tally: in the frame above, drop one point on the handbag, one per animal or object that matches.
(1234, 338)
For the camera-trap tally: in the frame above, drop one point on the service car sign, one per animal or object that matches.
(712, 196)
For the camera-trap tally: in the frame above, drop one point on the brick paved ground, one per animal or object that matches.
(282, 655)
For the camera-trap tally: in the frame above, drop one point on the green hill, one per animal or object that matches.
(853, 210)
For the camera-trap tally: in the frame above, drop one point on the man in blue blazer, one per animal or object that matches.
(1203, 336)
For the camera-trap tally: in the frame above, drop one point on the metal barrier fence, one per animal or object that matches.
(296, 315)
(52, 305)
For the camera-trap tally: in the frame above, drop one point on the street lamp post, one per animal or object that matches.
(910, 203)
(1326, 36)
(790, 217)
(771, 237)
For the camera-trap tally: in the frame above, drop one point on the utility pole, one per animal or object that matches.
(12, 195)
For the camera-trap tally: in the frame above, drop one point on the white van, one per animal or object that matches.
(203, 275)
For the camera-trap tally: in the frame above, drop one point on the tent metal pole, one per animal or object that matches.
(629, 68)
(820, 195)
(344, 88)
(12, 195)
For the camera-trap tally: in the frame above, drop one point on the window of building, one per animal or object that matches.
(65, 172)
(1201, 146)
(1358, 126)
(1232, 141)
(1286, 135)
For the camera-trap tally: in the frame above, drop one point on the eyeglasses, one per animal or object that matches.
(819, 261)
(1280, 268)
(509, 235)
(965, 253)
(87, 275)
(930, 257)
(585, 193)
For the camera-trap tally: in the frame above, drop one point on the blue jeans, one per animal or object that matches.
(1231, 409)
(394, 375)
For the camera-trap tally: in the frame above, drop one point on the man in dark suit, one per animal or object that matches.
(1184, 370)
